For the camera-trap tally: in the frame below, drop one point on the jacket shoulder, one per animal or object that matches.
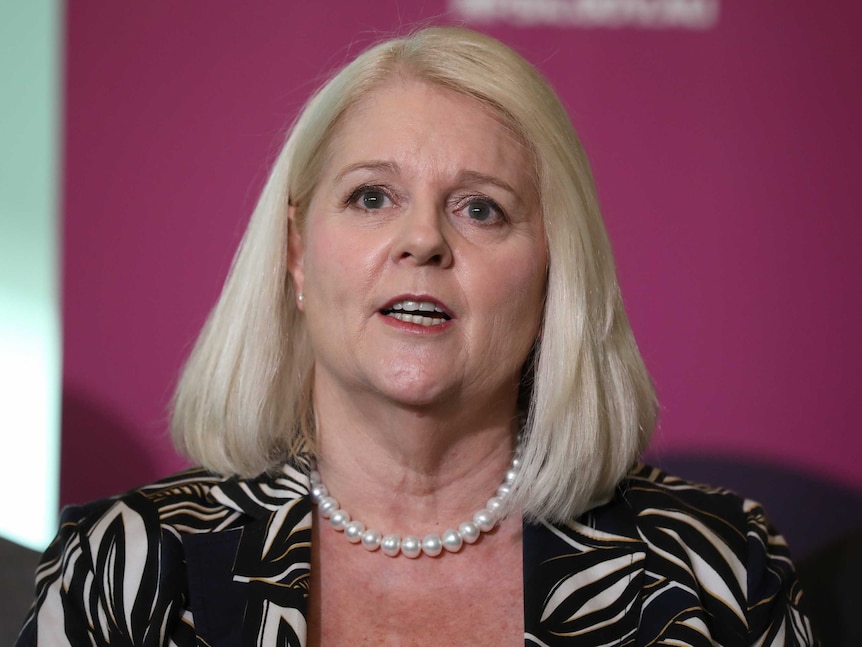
(182, 503)
(647, 490)
(701, 525)
(721, 545)
(132, 545)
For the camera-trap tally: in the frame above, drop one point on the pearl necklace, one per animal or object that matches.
(412, 546)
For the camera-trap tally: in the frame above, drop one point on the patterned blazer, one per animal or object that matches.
(200, 560)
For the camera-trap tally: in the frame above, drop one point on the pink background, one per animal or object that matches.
(727, 161)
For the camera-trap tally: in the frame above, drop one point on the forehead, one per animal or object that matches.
(425, 126)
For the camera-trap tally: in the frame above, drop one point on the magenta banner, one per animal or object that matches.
(724, 138)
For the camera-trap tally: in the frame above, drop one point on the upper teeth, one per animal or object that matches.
(417, 306)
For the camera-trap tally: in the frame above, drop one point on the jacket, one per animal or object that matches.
(197, 559)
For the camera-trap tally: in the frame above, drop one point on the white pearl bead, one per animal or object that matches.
(353, 531)
(411, 546)
(390, 545)
(469, 532)
(494, 503)
(484, 519)
(339, 519)
(452, 541)
(432, 545)
(371, 539)
(319, 492)
(327, 506)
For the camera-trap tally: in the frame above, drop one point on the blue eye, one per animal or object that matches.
(368, 198)
(483, 211)
(479, 211)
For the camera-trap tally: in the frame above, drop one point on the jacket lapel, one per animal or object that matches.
(583, 583)
(217, 601)
(249, 586)
(274, 558)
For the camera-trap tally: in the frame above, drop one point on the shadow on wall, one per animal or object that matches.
(831, 579)
(100, 455)
(821, 521)
(17, 566)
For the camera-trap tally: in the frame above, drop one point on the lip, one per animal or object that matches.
(418, 297)
(417, 327)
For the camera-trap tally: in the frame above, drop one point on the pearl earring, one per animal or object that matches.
(300, 298)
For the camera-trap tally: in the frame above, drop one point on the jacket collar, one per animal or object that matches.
(266, 494)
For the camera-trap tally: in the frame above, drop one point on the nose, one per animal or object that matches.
(422, 237)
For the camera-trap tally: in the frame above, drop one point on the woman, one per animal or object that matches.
(422, 327)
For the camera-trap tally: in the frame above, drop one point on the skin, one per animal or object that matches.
(425, 195)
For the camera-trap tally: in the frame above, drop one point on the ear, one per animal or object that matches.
(295, 255)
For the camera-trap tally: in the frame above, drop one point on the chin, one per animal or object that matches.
(417, 398)
(417, 390)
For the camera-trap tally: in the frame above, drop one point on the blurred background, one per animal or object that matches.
(724, 137)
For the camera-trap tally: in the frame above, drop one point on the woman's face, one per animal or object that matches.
(422, 260)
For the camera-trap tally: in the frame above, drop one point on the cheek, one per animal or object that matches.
(331, 260)
(516, 289)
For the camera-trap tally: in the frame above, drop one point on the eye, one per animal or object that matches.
(373, 199)
(369, 198)
(483, 210)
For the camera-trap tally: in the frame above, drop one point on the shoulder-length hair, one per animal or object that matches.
(243, 403)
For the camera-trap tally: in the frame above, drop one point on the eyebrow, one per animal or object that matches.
(464, 177)
(475, 177)
(372, 165)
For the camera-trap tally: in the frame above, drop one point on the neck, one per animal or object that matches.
(408, 469)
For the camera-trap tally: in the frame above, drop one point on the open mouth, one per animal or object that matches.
(422, 313)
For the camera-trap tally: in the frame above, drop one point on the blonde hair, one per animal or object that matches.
(243, 403)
